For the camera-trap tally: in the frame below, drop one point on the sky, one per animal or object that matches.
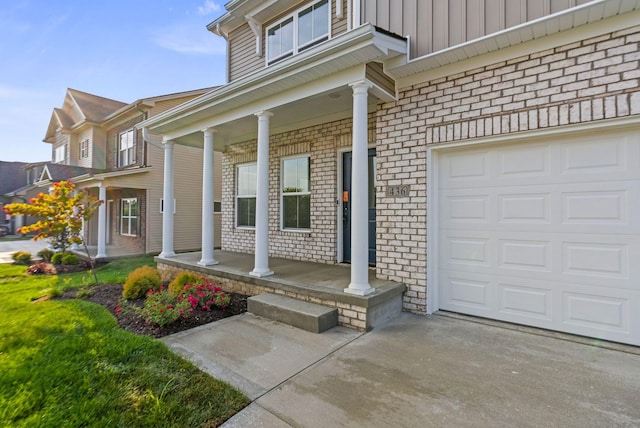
(119, 49)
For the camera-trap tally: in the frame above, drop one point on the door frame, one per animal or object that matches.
(339, 183)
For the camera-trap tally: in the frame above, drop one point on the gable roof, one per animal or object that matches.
(56, 172)
(78, 108)
(12, 176)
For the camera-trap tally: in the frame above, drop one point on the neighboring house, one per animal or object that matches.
(120, 166)
(484, 153)
(38, 178)
(12, 177)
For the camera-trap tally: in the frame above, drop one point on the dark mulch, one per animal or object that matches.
(109, 295)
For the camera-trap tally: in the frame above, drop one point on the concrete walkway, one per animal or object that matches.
(414, 372)
(7, 248)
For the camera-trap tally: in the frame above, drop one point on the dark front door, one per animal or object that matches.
(346, 206)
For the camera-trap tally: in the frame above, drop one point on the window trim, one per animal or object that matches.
(84, 149)
(238, 196)
(296, 49)
(133, 148)
(129, 217)
(282, 193)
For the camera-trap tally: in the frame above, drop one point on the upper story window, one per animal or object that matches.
(126, 148)
(84, 149)
(60, 154)
(294, 33)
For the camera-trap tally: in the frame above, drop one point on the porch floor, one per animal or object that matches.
(325, 282)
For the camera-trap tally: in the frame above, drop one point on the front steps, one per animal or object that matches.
(304, 315)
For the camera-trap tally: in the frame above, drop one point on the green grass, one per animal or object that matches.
(66, 363)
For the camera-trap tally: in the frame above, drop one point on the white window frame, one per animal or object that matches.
(240, 196)
(282, 193)
(296, 49)
(126, 155)
(129, 218)
(60, 154)
(84, 149)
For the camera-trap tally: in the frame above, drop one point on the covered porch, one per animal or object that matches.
(312, 282)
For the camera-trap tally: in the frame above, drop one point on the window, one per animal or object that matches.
(84, 149)
(295, 33)
(127, 148)
(296, 194)
(246, 196)
(60, 154)
(129, 213)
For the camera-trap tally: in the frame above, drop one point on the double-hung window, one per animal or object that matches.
(129, 214)
(296, 194)
(60, 154)
(84, 149)
(301, 30)
(246, 195)
(126, 148)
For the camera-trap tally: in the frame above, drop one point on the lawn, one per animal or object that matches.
(66, 363)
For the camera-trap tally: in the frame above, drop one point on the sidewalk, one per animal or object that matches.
(416, 371)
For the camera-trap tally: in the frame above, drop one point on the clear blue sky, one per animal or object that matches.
(119, 49)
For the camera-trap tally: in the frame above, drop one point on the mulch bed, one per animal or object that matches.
(108, 295)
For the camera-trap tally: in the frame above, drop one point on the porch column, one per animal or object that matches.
(207, 201)
(167, 197)
(102, 222)
(261, 267)
(359, 194)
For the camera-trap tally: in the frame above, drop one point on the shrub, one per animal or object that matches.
(162, 308)
(206, 295)
(176, 287)
(45, 254)
(21, 258)
(56, 258)
(70, 259)
(140, 281)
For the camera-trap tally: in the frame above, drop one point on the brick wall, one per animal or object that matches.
(321, 143)
(134, 244)
(586, 81)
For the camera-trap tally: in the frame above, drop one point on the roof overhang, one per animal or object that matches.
(308, 88)
(239, 10)
(562, 21)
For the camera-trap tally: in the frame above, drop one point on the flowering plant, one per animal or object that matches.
(161, 308)
(205, 296)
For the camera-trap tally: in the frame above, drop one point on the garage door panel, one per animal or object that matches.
(544, 234)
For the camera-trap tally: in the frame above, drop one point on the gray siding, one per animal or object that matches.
(437, 24)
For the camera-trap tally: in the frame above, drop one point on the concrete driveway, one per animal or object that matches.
(9, 247)
(417, 371)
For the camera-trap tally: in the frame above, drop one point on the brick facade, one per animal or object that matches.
(581, 82)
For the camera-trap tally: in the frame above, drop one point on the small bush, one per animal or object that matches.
(56, 258)
(162, 308)
(45, 254)
(21, 258)
(205, 296)
(70, 259)
(176, 287)
(140, 281)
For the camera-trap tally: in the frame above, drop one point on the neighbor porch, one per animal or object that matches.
(312, 282)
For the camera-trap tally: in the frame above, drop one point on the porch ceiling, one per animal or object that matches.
(303, 90)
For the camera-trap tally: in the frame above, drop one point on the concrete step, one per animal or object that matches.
(304, 315)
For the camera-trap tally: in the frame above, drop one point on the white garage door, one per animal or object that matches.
(544, 234)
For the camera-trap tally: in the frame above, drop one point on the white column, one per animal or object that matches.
(359, 194)
(102, 222)
(167, 197)
(261, 267)
(208, 231)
